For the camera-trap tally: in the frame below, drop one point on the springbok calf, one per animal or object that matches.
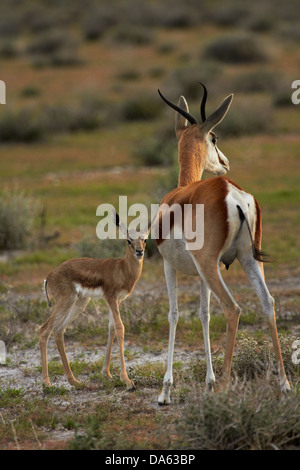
(74, 282)
(232, 230)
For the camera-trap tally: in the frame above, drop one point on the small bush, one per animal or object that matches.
(65, 118)
(97, 21)
(10, 22)
(24, 125)
(50, 42)
(93, 248)
(141, 108)
(245, 118)
(229, 15)
(155, 152)
(30, 92)
(8, 49)
(290, 32)
(282, 94)
(242, 418)
(53, 48)
(251, 359)
(129, 75)
(33, 123)
(17, 213)
(135, 35)
(256, 81)
(236, 49)
(185, 80)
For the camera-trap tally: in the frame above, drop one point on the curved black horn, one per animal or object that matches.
(184, 113)
(203, 103)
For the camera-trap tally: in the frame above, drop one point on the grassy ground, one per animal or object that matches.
(75, 135)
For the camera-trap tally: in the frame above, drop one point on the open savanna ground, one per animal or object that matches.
(83, 125)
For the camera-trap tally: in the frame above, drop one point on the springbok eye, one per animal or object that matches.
(214, 140)
(129, 242)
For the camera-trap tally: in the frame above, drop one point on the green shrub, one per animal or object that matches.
(155, 152)
(135, 35)
(97, 21)
(91, 247)
(229, 14)
(236, 48)
(282, 94)
(53, 48)
(247, 118)
(8, 49)
(141, 108)
(50, 42)
(241, 418)
(17, 213)
(30, 124)
(256, 81)
(66, 118)
(23, 125)
(185, 81)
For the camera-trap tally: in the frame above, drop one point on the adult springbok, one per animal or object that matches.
(232, 230)
(75, 281)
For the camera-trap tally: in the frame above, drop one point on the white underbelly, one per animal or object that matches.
(89, 292)
(176, 254)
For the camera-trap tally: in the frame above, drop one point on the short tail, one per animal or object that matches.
(259, 255)
(45, 287)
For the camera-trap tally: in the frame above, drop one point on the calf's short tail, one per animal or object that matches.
(46, 292)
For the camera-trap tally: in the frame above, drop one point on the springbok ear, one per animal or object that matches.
(180, 121)
(215, 118)
(119, 224)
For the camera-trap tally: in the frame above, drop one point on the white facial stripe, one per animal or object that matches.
(213, 157)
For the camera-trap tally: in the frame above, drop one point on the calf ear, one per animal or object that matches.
(122, 228)
(216, 117)
(116, 219)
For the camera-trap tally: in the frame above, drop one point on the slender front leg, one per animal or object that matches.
(111, 337)
(171, 280)
(205, 317)
(63, 318)
(119, 328)
(54, 323)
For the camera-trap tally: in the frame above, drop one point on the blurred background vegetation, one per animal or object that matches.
(84, 124)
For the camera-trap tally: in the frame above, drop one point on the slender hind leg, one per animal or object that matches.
(59, 328)
(205, 318)
(254, 271)
(61, 317)
(45, 332)
(171, 280)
